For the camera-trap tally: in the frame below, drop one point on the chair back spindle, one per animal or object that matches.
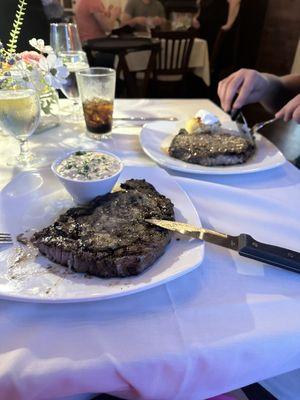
(174, 56)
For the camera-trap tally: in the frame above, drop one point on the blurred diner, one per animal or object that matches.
(144, 14)
(94, 20)
(214, 15)
(53, 10)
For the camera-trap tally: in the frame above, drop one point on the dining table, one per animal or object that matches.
(198, 64)
(135, 52)
(222, 325)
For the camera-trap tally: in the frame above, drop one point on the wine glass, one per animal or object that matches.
(74, 61)
(64, 37)
(19, 116)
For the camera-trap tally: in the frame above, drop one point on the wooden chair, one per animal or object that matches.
(121, 47)
(172, 62)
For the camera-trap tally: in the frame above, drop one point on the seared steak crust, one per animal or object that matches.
(211, 149)
(109, 236)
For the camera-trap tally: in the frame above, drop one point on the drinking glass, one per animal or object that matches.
(74, 61)
(19, 116)
(64, 37)
(97, 91)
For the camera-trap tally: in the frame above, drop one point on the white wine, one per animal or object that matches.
(70, 88)
(19, 112)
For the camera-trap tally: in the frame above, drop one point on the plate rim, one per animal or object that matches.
(101, 297)
(225, 172)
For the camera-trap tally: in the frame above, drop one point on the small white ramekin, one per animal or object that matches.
(85, 191)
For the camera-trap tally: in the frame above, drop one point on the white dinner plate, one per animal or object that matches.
(155, 139)
(32, 201)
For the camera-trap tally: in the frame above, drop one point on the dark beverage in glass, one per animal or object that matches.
(97, 91)
(98, 115)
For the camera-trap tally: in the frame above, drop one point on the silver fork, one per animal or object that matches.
(243, 127)
(5, 238)
(260, 125)
(255, 128)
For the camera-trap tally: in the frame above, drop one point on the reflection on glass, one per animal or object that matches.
(64, 37)
(75, 61)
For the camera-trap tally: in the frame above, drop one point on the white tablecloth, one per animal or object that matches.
(229, 323)
(199, 60)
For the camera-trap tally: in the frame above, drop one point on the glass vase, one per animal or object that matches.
(49, 110)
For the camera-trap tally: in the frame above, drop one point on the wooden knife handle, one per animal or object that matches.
(269, 254)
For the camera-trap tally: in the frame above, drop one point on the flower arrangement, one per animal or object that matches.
(40, 68)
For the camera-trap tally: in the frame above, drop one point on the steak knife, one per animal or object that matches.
(244, 244)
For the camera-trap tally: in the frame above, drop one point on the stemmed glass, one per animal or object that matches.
(19, 116)
(64, 37)
(74, 61)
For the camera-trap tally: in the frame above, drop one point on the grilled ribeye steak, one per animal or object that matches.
(211, 149)
(109, 237)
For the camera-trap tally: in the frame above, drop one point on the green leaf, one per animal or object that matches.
(16, 28)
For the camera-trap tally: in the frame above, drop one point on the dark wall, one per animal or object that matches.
(252, 19)
(280, 36)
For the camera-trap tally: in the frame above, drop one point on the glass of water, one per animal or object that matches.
(19, 116)
(74, 61)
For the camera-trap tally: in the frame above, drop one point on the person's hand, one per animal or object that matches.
(196, 23)
(226, 27)
(291, 111)
(113, 12)
(140, 21)
(157, 21)
(249, 85)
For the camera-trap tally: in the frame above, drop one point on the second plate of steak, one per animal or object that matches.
(211, 149)
(109, 237)
(157, 137)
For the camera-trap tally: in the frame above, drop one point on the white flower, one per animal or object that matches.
(55, 71)
(39, 45)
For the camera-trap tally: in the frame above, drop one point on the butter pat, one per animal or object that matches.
(202, 122)
(192, 125)
(207, 118)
